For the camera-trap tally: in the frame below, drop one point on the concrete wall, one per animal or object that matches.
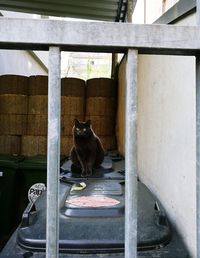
(21, 62)
(166, 136)
(155, 8)
(147, 11)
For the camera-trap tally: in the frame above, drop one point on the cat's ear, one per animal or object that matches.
(76, 122)
(88, 123)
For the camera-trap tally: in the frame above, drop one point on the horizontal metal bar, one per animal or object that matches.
(98, 36)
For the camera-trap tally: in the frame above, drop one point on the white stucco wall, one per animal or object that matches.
(21, 62)
(155, 8)
(147, 11)
(166, 136)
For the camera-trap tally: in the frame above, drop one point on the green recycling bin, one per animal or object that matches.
(9, 190)
(33, 170)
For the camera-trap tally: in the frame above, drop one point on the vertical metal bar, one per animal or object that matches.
(131, 156)
(129, 10)
(198, 138)
(53, 154)
(198, 153)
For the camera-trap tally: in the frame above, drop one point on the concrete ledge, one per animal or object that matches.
(34, 34)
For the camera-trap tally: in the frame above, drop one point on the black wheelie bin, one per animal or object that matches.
(91, 217)
(9, 193)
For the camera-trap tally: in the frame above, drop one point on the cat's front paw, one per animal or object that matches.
(84, 173)
(89, 172)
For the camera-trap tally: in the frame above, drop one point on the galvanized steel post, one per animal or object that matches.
(198, 153)
(198, 138)
(53, 154)
(131, 156)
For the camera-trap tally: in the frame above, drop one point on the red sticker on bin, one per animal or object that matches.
(93, 201)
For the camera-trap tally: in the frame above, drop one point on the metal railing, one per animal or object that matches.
(198, 139)
(100, 37)
(53, 153)
(131, 155)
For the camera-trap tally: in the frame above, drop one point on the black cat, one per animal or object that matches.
(87, 152)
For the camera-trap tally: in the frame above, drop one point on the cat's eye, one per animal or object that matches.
(77, 129)
(84, 129)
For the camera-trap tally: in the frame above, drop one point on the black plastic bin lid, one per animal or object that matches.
(10, 161)
(88, 229)
(36, 162)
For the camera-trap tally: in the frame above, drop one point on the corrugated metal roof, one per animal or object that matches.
(105, 10)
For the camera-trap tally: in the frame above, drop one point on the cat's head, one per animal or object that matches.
(82, 129)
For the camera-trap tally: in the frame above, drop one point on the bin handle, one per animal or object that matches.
(26, 214)
(160, 216)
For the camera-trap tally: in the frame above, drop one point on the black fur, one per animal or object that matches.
(87, 152)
